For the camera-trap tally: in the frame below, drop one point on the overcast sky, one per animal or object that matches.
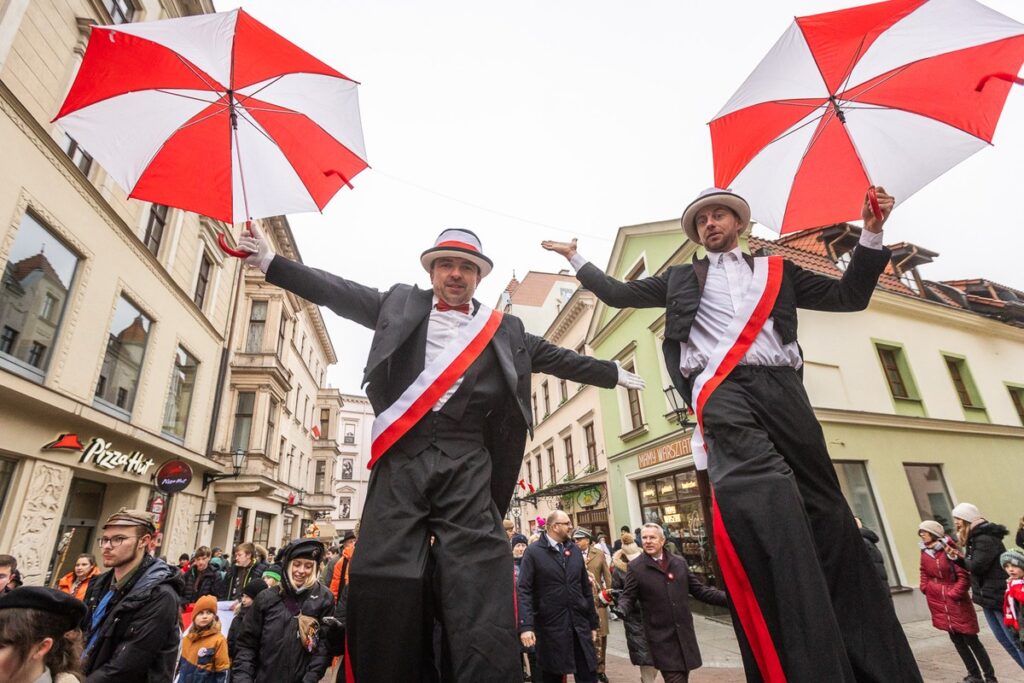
(537, 119)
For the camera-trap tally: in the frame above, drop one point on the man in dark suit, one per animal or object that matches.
(660, 583)
(451, 472)
(556, 606)
(809, 604)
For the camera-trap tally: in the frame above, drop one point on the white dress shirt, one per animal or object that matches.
(441, 330)
(727, 283)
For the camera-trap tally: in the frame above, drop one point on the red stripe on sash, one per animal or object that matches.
(425, 401)
(748, 611)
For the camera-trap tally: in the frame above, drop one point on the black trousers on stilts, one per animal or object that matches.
(778, 494)
(398, 581)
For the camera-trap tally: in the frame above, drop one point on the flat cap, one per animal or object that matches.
(127, 517)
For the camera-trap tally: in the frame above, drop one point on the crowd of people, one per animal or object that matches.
(139, 618)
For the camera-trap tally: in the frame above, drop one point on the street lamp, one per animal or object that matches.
(237, 462)
(679, 407)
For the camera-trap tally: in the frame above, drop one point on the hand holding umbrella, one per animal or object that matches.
(878, 205)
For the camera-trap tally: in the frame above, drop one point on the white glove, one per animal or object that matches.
(628, 379)
(261, 254)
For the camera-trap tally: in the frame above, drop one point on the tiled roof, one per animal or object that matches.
(26, 266)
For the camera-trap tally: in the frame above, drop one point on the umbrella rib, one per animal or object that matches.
(896, 72)
(853, 63)
(196, 73)
(801, 126)
(187, 97)
(251, 95)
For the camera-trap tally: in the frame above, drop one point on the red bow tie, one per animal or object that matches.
(442, 306)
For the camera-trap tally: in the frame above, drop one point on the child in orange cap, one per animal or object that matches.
(204, 649)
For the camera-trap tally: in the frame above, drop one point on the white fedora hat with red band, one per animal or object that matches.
(709, 197)
(458, 243)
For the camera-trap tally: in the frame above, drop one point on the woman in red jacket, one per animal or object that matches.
(947, 588)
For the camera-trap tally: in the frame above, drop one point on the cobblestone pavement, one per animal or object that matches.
(934, 652)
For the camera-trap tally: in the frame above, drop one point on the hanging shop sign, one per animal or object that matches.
(669, 451)
(100, 453)
(588, 498)
(173, 476)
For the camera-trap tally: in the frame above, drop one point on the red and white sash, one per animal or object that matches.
(754, 310)
(431, 384)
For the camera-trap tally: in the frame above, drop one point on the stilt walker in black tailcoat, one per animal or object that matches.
(807, 604)
(449, 474)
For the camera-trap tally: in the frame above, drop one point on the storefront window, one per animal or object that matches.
(179, 393)
(122, 364)
(241, 521)
(673, 501)
(853, 480)
(930, 494)
(34, 292)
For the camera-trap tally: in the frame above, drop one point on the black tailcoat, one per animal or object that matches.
(555, 602)
(396, 357)
(679, 289)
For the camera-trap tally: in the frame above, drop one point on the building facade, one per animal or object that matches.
(355, 422)
(278, 412)
(919, 398)
(113, 315)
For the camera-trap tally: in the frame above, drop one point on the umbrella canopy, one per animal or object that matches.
(215, 114)
(880, 93)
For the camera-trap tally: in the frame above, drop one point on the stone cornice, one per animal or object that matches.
(930, 424)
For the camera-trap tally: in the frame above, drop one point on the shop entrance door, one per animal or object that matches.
(78, 527)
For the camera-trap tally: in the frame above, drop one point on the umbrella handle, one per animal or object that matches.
(222, 242)
(1001, 75)
(873, 200)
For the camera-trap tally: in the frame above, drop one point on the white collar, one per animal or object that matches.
(717, 256)
(552, 541)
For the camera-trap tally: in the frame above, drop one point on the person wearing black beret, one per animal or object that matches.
(39, 636)
(281, 639)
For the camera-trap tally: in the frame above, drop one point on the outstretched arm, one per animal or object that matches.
(647, 293)
(348, 299)
(565, 364)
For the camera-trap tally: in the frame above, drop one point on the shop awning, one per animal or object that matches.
(561, 489)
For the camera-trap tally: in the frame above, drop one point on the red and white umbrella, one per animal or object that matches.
(215, 114)
(882, 93)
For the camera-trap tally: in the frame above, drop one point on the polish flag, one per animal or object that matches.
(316, 432)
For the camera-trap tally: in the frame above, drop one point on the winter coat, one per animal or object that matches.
(668, 623)
(67, 584)
(877, 561)
(204, 656)
(138, 637)
(1013, 604)
(981, 559)
(236, 579)
(200, 583)
(236, 629)
(597, 565)
(555, 602)
(633, 623)
(1020, 537)
(946, 587)
(269, 649)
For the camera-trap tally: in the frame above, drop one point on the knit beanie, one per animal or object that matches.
(207, 603)
(932, 527)
(517, 539)
(254, 588)
(273, 572)
(1013, 557)
(966, 512)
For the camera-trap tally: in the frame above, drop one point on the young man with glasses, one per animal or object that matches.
(132, 629)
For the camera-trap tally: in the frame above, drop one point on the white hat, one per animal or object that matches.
(710, 197)
(966, 512)
(458, 243)
(932, 527)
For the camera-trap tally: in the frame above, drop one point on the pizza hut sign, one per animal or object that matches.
(100, 453)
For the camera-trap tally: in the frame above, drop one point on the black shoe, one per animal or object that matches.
(601, 677)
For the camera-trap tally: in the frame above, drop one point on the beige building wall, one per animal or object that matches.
(280, 352)
(572, 412)
(82, 214)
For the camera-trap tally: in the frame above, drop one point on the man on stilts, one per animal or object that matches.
(806, 603)
(449, 382)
